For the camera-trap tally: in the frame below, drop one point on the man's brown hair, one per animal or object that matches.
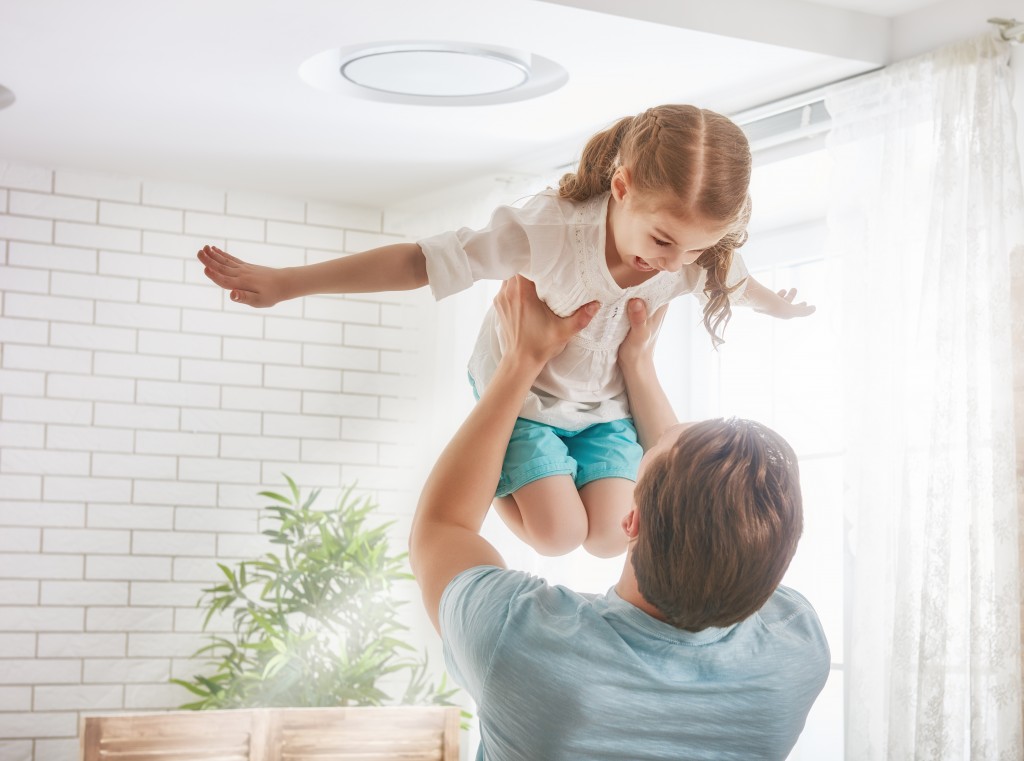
(720, 517)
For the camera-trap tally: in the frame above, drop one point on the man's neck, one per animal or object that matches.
(627, 589)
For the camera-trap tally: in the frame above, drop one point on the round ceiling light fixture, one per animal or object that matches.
(6, 97)
(433, 73)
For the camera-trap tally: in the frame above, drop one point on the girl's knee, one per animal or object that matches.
(605, 544)
(559, 541)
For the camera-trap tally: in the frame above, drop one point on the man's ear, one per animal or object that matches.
(631, 524)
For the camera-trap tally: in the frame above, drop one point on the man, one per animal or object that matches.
(697, 652)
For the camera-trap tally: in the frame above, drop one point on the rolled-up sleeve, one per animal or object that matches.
(456, 260)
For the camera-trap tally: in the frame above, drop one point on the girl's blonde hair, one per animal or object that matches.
(696, 157)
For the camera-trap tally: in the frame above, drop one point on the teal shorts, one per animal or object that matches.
(536, 450)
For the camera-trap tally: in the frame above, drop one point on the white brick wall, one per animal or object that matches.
(141, 412)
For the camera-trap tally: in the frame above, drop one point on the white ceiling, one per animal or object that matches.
(207, 91)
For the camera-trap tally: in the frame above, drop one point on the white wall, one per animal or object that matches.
(141, 412)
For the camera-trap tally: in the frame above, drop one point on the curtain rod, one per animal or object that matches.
(1010, 29)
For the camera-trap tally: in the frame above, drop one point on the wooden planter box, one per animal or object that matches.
(403, 733)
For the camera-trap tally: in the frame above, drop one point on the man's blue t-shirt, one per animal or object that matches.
(562, 675)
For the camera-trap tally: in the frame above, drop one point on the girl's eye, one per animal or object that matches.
(661, 242)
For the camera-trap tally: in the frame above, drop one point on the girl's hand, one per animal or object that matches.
(250, 284)
(784, 308)
(532, 331)
(638, 346)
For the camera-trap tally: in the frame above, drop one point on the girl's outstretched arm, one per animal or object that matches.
(777, 304)
(399, 267)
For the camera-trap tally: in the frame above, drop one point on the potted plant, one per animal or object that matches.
(314, 621)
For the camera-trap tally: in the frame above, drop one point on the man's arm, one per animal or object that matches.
(445, 538)
(652, 413)
(398, 267)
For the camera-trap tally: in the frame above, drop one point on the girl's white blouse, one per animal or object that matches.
(559, 244)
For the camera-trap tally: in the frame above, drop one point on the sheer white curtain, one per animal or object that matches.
(926, 215)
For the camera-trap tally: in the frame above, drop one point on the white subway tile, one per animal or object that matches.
(404, 409)
(22, 383)
(266, 206)
(143, 266)
(208, 371)
(78, 697)
(282, 352)
(94, 287)
(59, 386)
(127, 568)
(92, 337)
(52, 207)
(48, 307)
(343, 405)
(23, 331)
(133, 465)
(225, 226)
(259, 448)
(96, 236)
(88, 489)
(20, 645)
(25, 177)
(334, 215)
(247, 324)
(301, 426)
(243, 546)
(301, 378)
(24, 280)
(308, 474)
(267, 254)
(56, 750)
(129, 619)
(178, 246)
(380, 337)
(46, 410)
(340, 357)
(43, 462)
(178, 394)
(165, 593)
(18, 750)
(138, 316)
(131, 516)
(307, 236)
(136, 416)
(378, 383)
(191, 619)
(37, 725)
(14, 513)
(341, 309)
(179, 294)
(220, 421)
(86, 540)
(142, 644)
(141, 217)
(26, 229)
(245, 497)
(196, 569)
(19, 487)
(173, 543)
(40, 619)
(356, 241)
(108, 186)
(155, 696)
(15, 699)
(307, 331)
(222, 520)
(159, 442)
(20, 434)
(46, 358)
(125, 670)
(182, 196)
(81, 645)
(18, 591)
(381, 431)
(175, 493)
(398, 316)
(218, 470)
(179, 344)
(260, 399)
(371, 477)
(357, 452)
(84, 593)
(52, 257)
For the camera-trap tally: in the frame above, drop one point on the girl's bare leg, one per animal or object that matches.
(547, 514)
(606, 501)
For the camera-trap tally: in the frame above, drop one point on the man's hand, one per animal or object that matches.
(532, 331)
(638, 346)
(250, 284)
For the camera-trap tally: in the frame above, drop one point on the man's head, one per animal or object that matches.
(720, 514)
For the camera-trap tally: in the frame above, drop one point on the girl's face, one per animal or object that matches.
(648, 238)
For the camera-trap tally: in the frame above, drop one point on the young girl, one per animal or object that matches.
(655, 210)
